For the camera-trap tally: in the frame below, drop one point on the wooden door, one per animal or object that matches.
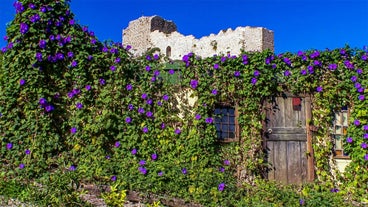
(286, 139)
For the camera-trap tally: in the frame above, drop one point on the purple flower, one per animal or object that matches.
(353, 79)
(310, 69)
(256, 73)
(27, 151)
(154, 156)
(364, 57)
(303, 72)
(22, 82)
(184, 171)
(334, 190)
(140, 110)
(49, 108)
(197, 116)
(42, 101)
(314, 54)
(348, 64)
(361, 89)
(18, 7)
(142, 170)
(226, 162)
(88, 87)
(142, 162)
(128, 47)
(21, 166)
(73, 130)
(301, 202)
(221, 169)
(316, 62)
(130, 107)
(253, 81)
(117, 144)
(165, 97)
(332, 66)
(148, 68)
(42, 44)
(209, 120)
(72, 168)
(102, 81)
(159, 103)
(149, 101)
(144, 96)
(237, 73)
(117, 60)
(287, 73)
(357, 85)
(214, 92)
(177, 131)
(223, 59)
(366, 156)
(216, 66)
(364, 145)
(171, 72)
(9, 146)
(70, 54)
(319, 89)
(356, 122)
(145, 129)
(155, 56)
(365, 127)
(39, 56)
(112, 68)
(148, 57)
(72, 22)
(194, 83)
(245, 59)
(43, 9)
(128, 120)
(79, 105)
(221, 186)
(160, 173)
(113, 178)
(349, 140)
(134, 151)
(149, 114)
(361, 97)
(74, 63)
(34, 18)
(156, 73)
(163, 125)
(23, 28)
(359, 71)
(287, 61)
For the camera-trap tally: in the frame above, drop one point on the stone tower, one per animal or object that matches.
(155, 32)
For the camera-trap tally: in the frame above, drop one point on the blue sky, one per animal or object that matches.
(297, 24)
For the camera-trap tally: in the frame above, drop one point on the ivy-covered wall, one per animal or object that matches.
(75, 108)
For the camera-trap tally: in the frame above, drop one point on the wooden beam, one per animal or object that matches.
(310, 155)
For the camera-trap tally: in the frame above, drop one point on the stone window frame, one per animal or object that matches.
(236, 132)
(338, 132)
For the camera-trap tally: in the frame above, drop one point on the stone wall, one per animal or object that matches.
(155, 32)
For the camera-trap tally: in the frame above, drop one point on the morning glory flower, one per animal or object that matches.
(142, 162)
(198, 116)
(184, 171)
(23, 28)
(128, 120)
(113, 178)
(237, 73)
(356, 122)
(177, 131)
(332, 66)
(154, 156)
(364, 145)
(134, 151)
(216, 66)
(112, 68)
(117, 144)
(21, 166)
(73, 130)
(254, 81)
(149, 114)
(303, 72)
(144, 96)
(140, 110)
(72, 168)
(214, 92)
(319, 89)
(102, 81)
(148, 68)
(361, 97)
(209, 120)
(365, 127)
(27, 151)
(165, 97)
(349, 140)
(79, 105)
(353, 79)
(9, 146)
(145, 129)
(22, 82)
(171, 71)
(256, 73)
(194, 83)
(142, 170)
(221, 186)
(42, 44)
(226, 162)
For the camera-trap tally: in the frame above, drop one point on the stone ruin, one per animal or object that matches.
(151, 32)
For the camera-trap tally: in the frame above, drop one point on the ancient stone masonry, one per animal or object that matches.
(155, 32)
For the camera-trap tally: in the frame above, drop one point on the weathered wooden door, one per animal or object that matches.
(286, 139)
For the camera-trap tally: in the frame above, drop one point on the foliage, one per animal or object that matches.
(114, 197)
(77, 110)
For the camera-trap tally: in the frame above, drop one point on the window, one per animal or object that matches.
(226, 123)
(168, 51)
(338, 131)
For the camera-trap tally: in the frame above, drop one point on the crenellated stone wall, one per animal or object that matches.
(154, 32)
